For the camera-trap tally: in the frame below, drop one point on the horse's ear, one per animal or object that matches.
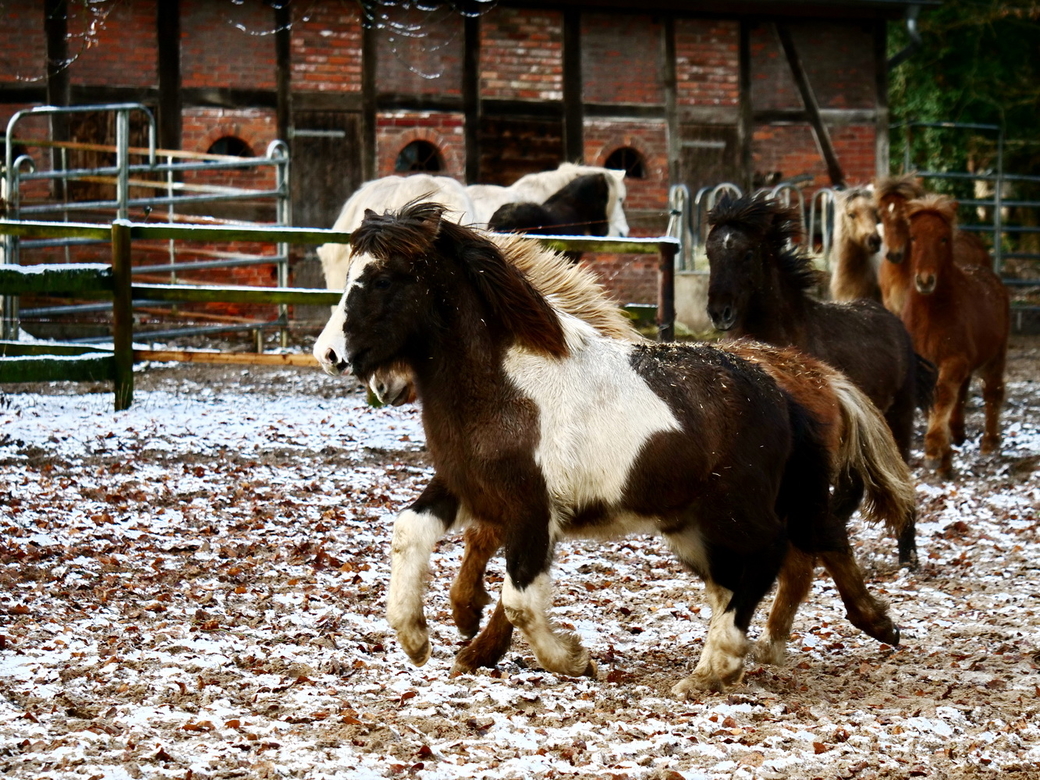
(522, 310)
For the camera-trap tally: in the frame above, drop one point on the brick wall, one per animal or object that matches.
(426, 64)
(326, 48)
(838, 60)
(257, 127)
(621, 58)
(521, 54)
(103, 55)
(216, 53)
(707, 62)
(650, 139)
(23, 46)
(395, 130)
(791, 150)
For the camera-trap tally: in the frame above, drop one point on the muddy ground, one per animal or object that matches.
(195, 588)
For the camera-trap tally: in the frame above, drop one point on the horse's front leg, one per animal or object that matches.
(416, 531)
(527, 598)
(721, 664)
(937, 441)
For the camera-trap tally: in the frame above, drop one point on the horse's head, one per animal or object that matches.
(932, 220)
(859, 218)
(891, 196)
(746, 233)
(416, 279)
(392, 385)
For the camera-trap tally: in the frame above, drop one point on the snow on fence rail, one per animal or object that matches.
(32, 362)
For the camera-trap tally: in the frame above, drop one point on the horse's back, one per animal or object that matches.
(867, 343)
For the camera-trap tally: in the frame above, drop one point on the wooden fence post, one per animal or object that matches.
(666, 292)
(122, 316)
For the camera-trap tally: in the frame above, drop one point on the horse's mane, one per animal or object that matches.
(942, 206)
(856, 192)
(774, 224)
(905, 186)
(571, 288)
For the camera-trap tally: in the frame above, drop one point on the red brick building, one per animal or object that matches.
(675, 91)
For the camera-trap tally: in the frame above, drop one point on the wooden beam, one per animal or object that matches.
(745, 126)
(369, 101)
(55, 23)
(670, 99)
(93, 367)
(812, 106)
(168, 37)
(471, 95)
(224, 358)
(283, 66)
(122, 316)
(71, 278)
(573, 108)
(881, 141)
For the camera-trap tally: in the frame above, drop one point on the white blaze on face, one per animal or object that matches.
(331, 347)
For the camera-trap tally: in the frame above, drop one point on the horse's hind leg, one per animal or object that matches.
(900, 419)
(735, 584)
(489, 645)
(468, 594)
(957, 434)
(993, 397)
(793, 586)
(865, 612)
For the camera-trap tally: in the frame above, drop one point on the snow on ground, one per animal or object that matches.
(194, 588)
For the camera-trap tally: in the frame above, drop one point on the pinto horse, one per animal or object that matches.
(857, 243)
(892, 196)
(759, 287)
(959, 318)
(696, 443)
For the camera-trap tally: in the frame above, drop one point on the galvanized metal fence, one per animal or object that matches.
(171, 180)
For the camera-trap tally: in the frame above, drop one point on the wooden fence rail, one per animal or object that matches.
(36, 362)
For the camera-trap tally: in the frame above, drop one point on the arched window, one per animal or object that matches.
(230, 145)
(419, 156)
(628, 160)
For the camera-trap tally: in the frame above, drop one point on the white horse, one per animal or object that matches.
(472, 206)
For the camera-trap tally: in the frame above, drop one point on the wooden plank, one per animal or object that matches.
(48, 348)
(70, 278)
(234, 294)
(97, 367)
(38, 229)
(224, 358)
(122, 316)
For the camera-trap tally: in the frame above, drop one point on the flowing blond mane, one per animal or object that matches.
(571, 288)
(905, 186)
(941, 205)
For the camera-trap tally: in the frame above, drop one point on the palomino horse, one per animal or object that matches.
(692, 442)
(857, 243)
(759, 287)
(959, 318)
(474, 204)
(892, 194)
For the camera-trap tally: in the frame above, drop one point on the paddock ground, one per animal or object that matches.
(194, 588)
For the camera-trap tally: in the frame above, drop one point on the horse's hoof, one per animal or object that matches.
(908, 560)
(590, 670)
(467, 618)
(769, 652)
(702, 682)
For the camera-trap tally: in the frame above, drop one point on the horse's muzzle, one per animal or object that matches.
(925, 284)
(723, 318)
(332, 364)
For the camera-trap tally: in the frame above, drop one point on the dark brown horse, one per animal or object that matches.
(760, 287)
(892, 196)
(696, 443)
(959, 318)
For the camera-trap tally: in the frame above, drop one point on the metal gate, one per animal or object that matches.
(146, 183)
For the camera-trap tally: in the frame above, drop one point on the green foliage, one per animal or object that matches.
(979, 63)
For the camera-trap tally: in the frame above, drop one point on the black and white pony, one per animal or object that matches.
(542, 427)
(474, 204)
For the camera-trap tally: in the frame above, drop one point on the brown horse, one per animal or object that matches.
(760, 288)
(959, 318)
(857, 243)
(892, 194)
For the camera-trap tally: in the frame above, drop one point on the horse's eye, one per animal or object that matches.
(381, 283)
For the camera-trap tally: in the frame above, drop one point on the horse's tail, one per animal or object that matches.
(868, 450)
(926, 374)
